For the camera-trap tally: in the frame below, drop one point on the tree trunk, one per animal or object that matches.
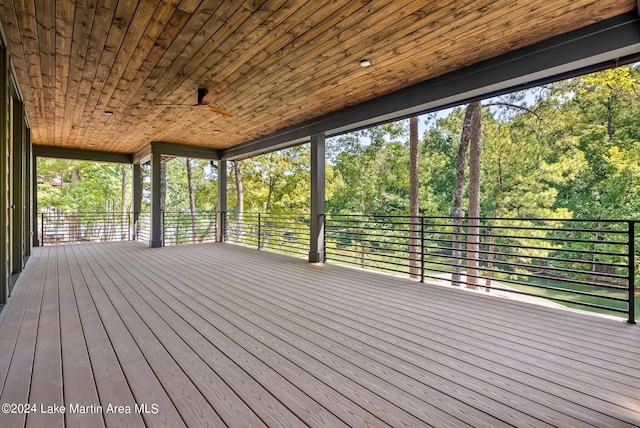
(240, 199)
(414, 228)
(609, 105)
(192, 201)
(75, 175)
(458, 194)
(272, 185)
(473, 240)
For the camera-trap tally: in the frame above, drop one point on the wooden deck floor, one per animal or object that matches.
(215, 335)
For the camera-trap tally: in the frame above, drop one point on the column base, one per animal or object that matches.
(316, 257)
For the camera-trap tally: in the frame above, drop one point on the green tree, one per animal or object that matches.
(277, 182)
(373, 170)
(74, 186)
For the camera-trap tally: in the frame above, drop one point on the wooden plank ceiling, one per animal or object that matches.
(275, 63)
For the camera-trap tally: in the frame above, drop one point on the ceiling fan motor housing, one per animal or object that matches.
(202, 92)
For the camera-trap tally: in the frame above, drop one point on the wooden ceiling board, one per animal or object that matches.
(199, 29)
(81, 20)
(414, 54)
(128, 20)
(102, 17)
(220, 47)
(410, 56)
(307, 22)
(22, 37)
(363, 44)
(275, 62)
(316, 27)
(64, 13)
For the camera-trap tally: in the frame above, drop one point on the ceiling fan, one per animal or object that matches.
(205, 98)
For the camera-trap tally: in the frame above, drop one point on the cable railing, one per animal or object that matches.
(186, 228)
(56, 228)
(578, 263)
(288, 233)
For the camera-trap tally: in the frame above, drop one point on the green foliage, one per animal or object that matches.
(276, 182)
(569, 149)
(371, 171)
(205, 180)
(73, 186)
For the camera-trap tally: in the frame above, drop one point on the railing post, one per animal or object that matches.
(225, 227)
(259, 231)
(42, 228)
(164, 229)
(136, 225)
(324, 237)
(178, 229)
(421, 249)
(631, 273)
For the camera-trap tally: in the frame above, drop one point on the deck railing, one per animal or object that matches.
(577, 263)
(57, 228)
(185, 228)
(143, 227)
(287, 233)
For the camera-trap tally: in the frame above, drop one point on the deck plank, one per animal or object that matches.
(187, 385)
(585, 385)
(79, 383)
(221, 332)
(391, 361)
(108, 374)
(145, 383)
(17, 384)
(551, 401)
(375, 378)
(13, 314)
(223, 335)
(215, 350)
(46, 378)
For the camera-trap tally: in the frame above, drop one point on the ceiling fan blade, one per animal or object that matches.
(210, 97)
(219, 111)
